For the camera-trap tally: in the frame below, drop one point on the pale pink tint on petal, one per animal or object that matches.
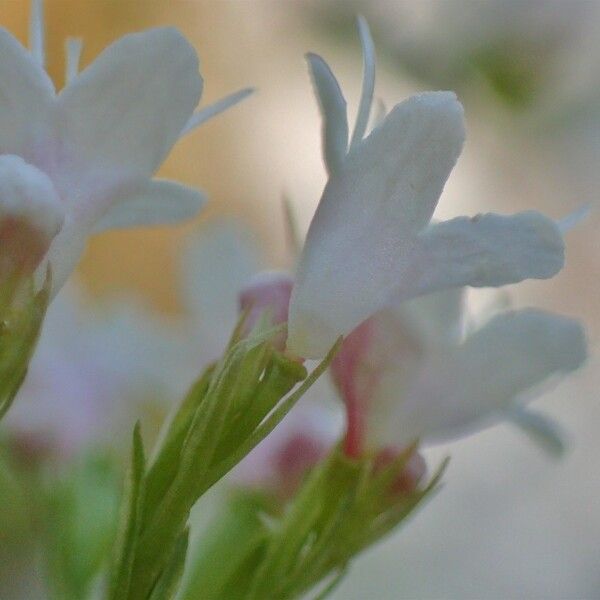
(267, 294)
(345, 370)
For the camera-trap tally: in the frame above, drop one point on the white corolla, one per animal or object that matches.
(371, 241)
(86, 155)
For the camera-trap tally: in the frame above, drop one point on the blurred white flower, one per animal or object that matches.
(409, 373)
(94, 373)
(97, 143)
(371, 242)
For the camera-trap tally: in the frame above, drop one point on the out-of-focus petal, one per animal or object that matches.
(212, 110)
(541, 429)
(368, 83)
(333, 112)
(217, 262)
(120, 116)
(36, 32)
(64, 253)
(26, 95)
(457, 391)
(73, 49)
(371, 210)
(152, 203)
(485, 251)
(433, 319)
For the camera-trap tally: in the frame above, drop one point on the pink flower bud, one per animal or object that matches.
(31, 214)
(268, 293)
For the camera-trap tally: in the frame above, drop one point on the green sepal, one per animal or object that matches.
(22, 312)
(228, 551)
(168, 583)
(231, 408)
(130, 522)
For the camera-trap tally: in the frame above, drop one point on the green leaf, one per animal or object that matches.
(81, 515)
(130, 523)
(169, 580)
(20, 327)
(228, 550)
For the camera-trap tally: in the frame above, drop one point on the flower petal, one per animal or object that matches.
(26, 95)
(218, 261)
(153, 203)
(368, 83)
(120, 116)
(368, 217)
(459, 390)
(485, 251)
(333, 112)
(64, 253)
(212, 110)
(540, 428)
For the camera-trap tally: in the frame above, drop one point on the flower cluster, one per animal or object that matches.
(378, 295)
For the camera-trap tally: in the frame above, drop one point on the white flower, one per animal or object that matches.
(94, 372)
(371, 243)
(409, 373)
(99, 140)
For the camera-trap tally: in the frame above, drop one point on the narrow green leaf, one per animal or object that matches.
(130, 522)
(168, 584)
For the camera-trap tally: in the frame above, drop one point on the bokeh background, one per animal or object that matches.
(510, 522)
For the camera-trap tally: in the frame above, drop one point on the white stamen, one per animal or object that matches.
(73, 48)
(543, 430)
(574, 218)
(368, 84)
(212, 110)
(36, 32)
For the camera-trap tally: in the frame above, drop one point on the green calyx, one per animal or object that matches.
(227, 412)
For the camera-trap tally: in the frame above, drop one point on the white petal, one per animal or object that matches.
(36, 32)
(73, 48)
(212, 110)
(120, 116)
(64, 254)
(333, 112)
(541, 429)
(434, 319)
(218, 261)
(368, 217)
(26, 95)
(368, 84)
(574, 218)
(153, 203)
(485, 251)
(457, 391)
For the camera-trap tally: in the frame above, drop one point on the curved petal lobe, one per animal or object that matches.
(26, 96)
(153, 203)
(333, 112)
(371, 210)
(485, 251)
(461, 389)
(120, 116)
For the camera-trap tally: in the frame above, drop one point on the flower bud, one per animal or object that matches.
(268, 293)
(31, 214)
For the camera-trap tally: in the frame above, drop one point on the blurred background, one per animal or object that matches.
(510, 522)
